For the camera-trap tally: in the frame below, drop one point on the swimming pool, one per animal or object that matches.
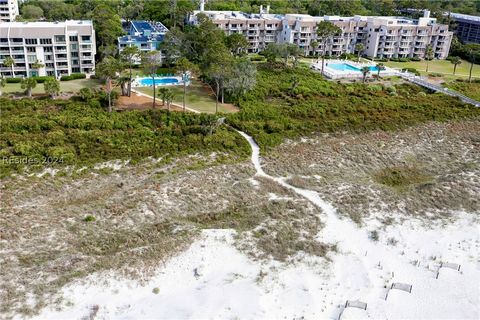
(348, 67)
(147, 82)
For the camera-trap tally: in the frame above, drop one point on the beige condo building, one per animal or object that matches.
(382, 37)
(8, 10)
(62, 47)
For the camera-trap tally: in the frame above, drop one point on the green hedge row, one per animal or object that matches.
(73, 76)
(40, 79)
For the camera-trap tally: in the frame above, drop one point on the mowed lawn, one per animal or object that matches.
(65, 86)
(198, 97)
(438, 66)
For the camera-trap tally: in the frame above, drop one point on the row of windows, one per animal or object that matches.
(59, 38)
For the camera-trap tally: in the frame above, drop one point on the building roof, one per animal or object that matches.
(390, 20)
(227, 15)
(45, 29)
(145, 31)
(465, 17)
(147, 27)
(45, 24)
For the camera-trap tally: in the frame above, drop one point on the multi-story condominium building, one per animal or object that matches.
(382, 37)
(146, 35)
(8, 10)
(62, 47)
(467, 27)
(259, 29)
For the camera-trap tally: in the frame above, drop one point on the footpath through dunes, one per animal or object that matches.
(214, 278)
(382, 266)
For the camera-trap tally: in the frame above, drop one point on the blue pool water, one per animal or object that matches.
(158, 81)
(348, 67)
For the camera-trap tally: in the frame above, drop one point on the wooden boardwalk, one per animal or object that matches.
(437, 88)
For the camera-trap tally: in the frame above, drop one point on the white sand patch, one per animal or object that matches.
(212, 279)
(114, 165)
(47, 171)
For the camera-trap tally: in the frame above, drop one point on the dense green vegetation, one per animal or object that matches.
(58, 133)
(294, 102)
(286, 102)
(471, 90)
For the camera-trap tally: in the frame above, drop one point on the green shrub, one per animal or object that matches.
(14, 80)
(42, 79)
(89, 218)
(392, 90)
(375, 88)
(435, 75)
(73, 76)
(400, 59)
(411, 70)
(415, 59)
(257, 58)
(86, 94)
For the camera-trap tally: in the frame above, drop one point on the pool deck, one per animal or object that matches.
(332, 73)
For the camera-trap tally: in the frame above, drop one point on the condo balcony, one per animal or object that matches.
(16, 69)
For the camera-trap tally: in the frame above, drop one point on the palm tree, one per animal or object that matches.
(28, 84)
(380, 67)
(428, 55)
(10, 63)
(184, 67)
(37, 65)
(471, 53)
(455, 61)
(130, 55)
(169, 98)
(365, 71)
(108, 70)
(52, 87)
(325, 31)
(314, 45)
(162, 92)
(359, 47)
(3, 82)
(124, 83)
(151, 60)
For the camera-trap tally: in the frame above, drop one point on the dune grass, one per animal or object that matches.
(401, 177)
